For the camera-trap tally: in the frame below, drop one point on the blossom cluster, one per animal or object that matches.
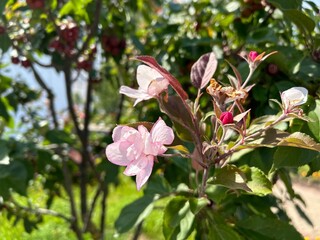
(137, 148)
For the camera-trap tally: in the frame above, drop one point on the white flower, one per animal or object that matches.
(294, 97)
(151, 84)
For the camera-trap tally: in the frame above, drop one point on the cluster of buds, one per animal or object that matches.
(112, 44)
(65, 43)
(86, 60)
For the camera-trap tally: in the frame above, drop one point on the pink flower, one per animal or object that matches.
(151, 84)
(137, 149)
(226, 118)
(253, 55)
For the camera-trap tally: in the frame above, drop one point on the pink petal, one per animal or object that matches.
(161, 133)
(134, 93)
(145, 75)
(136, 166)
(117, 154)
(158, 86)
(146, 138)
(144, 174)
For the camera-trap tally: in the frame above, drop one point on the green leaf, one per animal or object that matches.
(300, 140)
(196, 204)
(270, 228)
(218, 229)
(13, 176)
(178, 219)
(4, 109)
(257, 181)
(314, 123)
(284, 4)
(5, 42)
(59, 136)
(293, 157)
(216, 193)
(231, 177)
(304, 23)
(3, 5)
(4, 151)
(132, 214)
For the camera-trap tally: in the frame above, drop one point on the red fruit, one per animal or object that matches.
(84, 64)
(113, 44)
(15, 60)
(35, 4)
(226, 118)
(273, 69)
(69, 32)
(2, 29)
(25, 62)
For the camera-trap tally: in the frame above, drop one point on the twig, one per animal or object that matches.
(50, 95)
(41, 211)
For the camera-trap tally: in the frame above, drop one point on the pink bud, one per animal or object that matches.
(226, 118)
(253, 55)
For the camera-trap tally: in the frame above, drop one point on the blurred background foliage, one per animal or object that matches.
(91, 42)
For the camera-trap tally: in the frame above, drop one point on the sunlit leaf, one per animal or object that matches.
(257, 181)
(203, 70)
(231, 177)
(132, 214)
(177, 219)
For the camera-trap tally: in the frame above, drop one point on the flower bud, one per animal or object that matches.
(253, 55)
(293, 97)
(226, 118)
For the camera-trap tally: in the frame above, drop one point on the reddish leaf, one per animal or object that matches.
(151, 62)
(203, 70)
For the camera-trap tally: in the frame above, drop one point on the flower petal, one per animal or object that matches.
(136, 166)
(134, 93)
(161, 133)
(145, 75)
(144, 174)
(158, 86)
(117, 154)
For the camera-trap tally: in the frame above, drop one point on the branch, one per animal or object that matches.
(68, 185)
(93, 29)
(40, 211)
(49, 93)
(73, 115)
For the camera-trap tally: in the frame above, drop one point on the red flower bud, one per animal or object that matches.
(226, 118)
(253, 55)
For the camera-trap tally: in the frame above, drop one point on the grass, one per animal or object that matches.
(57, 228)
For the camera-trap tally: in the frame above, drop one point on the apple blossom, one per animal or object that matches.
(151, 84)
(137, 149)
(293, 97)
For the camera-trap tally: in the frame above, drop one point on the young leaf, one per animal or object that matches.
(203, 70)
(151, 62)
(231, 177)
(300, 140)
(257, 181)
